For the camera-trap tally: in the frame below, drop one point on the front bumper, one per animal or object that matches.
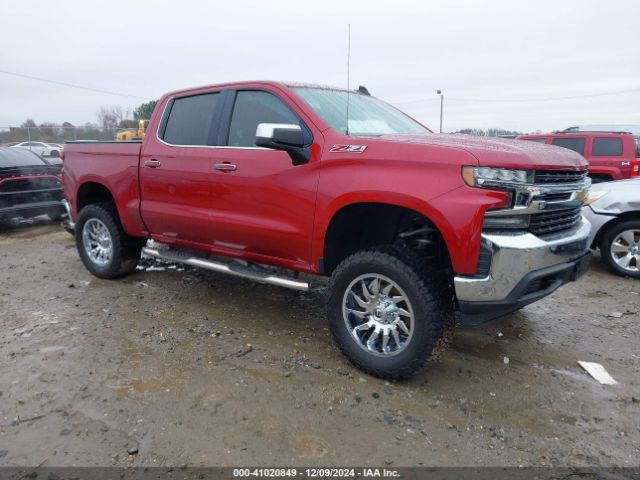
(30, 209)
(597, 221)
(524, 268)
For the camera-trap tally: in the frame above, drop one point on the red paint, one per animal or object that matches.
(616, 167)
(269, 211)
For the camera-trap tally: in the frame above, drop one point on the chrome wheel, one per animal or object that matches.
(97, 241)
(378, 314)
(625, 250)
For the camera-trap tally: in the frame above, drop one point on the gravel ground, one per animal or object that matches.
(192, 367)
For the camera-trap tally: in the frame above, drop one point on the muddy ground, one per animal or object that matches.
(192, 367)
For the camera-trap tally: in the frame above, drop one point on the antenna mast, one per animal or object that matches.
(348, 78)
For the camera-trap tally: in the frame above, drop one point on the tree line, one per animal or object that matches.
(490, 132)
(109, 120)
(112, 118)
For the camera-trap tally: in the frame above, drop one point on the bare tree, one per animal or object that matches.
(110, 117)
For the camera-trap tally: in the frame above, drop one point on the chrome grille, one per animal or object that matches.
(555, 197)
(554, 221)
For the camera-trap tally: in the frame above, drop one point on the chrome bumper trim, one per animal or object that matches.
(70, 224)
(515, 255)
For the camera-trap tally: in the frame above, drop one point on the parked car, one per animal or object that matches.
(41, 148)
(409, 225)
(611, 155)
(613, 208)
(29, 186)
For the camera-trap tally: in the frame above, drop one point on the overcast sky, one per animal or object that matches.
(403, 51)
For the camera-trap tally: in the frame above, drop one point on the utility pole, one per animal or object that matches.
(441, 106)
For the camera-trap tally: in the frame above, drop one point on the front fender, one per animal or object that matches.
(458, 215)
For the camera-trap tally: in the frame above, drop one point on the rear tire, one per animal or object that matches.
(104, 247)
(620, 248)
(411, 303)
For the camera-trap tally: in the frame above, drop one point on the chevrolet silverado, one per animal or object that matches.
(281, 183)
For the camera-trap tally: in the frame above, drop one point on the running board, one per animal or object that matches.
(237, 270)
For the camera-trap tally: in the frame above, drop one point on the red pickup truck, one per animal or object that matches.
(280, 183)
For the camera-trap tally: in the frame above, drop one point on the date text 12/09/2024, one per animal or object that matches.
(316, 472)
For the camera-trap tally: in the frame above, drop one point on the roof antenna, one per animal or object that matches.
(348, 79)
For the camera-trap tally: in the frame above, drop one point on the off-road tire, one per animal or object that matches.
(606, 239)
(126, 249)
(427, 293)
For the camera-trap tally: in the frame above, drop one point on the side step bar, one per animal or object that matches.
(237, 270)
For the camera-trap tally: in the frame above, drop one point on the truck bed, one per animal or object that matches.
(112, 164)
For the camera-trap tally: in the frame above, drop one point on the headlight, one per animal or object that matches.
(485, 177)
(593, 196)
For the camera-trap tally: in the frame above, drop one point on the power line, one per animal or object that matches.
(71, 85)
(522, 100)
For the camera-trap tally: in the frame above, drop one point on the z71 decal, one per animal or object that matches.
(348, 148)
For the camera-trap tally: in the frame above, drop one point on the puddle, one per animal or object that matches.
(494, 351)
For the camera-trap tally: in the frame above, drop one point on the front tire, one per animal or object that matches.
(385, 316)
(104, 247)
(620, 248)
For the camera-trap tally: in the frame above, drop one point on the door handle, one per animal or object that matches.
(226, 167)
(152, 163)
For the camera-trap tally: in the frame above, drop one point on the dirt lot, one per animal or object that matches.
(196, 368)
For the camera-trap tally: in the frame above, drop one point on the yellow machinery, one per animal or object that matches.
(133, 133)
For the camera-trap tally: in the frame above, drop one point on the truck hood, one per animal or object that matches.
(501, 152)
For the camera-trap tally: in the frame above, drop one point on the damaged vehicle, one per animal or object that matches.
(282, 183)
(29, 186)
(613, 208)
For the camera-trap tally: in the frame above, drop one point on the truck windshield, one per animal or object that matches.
(368, 116)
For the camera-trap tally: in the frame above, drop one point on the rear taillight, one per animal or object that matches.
(62, 155)
(635, 167)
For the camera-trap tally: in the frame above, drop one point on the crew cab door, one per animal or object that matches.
(176, 170)
(263, 204)
(606, 156)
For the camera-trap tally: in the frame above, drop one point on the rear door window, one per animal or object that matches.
(253, 107)
(572, 143)
(606, 147)
(190, 120)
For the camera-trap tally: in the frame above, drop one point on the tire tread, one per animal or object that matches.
(433, 298)
(127, 249)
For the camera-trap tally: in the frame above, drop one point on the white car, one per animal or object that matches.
(41, 148)
(613, 208)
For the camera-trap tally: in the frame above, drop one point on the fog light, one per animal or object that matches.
(498, 222)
